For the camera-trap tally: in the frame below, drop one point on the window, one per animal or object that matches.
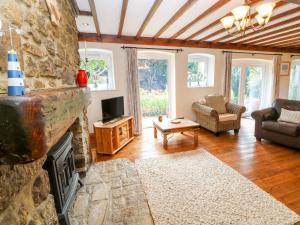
(200, 70)
(100, 67)
(251, 83)
(294, 87)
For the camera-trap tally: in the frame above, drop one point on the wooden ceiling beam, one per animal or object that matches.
(95, 17)
(252, 16)
(289, 44)
(279, 40)
(85, 13)
(178, 14)
(152, 11)
(283, 43)
(268, 27)
(216, 22)
(292, 44)
(270, 33)
(178, 43)
(122, 17)
(210, 10)
(274, 37)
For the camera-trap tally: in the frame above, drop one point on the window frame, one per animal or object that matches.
(209, 68)
(101, 54)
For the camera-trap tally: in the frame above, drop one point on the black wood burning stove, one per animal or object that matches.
(63, 178)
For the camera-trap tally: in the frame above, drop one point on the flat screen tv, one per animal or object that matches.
(112, 108)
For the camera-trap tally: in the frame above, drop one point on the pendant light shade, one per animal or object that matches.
(240, 12)
(259, 20)
(227, 22)
(265, 10)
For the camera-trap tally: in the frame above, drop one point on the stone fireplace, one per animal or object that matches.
(32, 124)
(29, 127)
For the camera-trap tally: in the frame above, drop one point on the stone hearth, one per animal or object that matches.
(113, 195)
(29, 127)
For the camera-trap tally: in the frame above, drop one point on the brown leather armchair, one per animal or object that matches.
(267, 127)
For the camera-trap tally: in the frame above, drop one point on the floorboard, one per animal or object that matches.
(274, 168)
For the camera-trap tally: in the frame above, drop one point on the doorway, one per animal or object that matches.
(251, 84)
(155, 70)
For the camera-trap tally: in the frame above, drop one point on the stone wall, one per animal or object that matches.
(24, 195)
(48, 53)
(49, 58)
(80, 144)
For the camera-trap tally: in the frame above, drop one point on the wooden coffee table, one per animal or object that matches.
(166, 128)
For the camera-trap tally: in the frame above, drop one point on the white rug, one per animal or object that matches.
(194, 188)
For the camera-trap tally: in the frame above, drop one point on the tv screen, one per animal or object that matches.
(112, 108)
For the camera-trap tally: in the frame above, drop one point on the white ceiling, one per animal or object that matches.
(109, 11)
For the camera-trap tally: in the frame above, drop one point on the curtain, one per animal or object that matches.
(133, 90)
(276, 71)
(228, 66)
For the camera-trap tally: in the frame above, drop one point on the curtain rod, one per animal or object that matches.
(166, 49)
(251, 53)
(294, 55)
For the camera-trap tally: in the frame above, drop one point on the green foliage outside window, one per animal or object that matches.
(196, 77)
(253, 82)
(235, 84)
(98, 69)
(294, 87)
(153, 76)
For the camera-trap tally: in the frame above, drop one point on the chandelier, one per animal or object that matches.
(241, 18)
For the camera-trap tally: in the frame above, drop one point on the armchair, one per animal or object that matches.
(267, 126)
(211, 119)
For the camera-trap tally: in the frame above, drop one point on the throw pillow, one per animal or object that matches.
(289, 116)
(216, 102)
(202, 101)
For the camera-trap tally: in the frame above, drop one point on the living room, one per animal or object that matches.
(149, 112)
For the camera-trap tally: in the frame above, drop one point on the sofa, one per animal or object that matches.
(214, 114)
(267, 127)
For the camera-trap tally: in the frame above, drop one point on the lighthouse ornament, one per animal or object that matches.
(15, 75)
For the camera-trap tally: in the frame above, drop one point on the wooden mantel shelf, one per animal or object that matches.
(30, 125)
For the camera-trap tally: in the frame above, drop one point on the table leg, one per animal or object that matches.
(165, 140)
(196, 137)
(155, 132)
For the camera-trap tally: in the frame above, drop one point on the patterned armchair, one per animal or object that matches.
(217, 116)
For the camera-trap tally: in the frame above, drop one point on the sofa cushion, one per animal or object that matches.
(216, 102)
(289, 116)
(227, 117)
(290, 129)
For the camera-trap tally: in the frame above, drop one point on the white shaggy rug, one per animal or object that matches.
(195, 188)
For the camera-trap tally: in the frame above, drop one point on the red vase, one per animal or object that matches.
(82, 78)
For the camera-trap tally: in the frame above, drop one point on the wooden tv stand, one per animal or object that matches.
(113, 136)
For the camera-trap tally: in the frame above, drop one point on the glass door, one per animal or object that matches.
(247, 85)
(154, 95)
(294, 87)
(235, 84)
(253, 88)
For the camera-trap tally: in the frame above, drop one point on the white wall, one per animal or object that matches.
(184, 96)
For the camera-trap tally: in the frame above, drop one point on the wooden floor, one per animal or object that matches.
(274, 168)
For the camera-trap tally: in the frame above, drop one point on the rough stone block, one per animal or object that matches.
(81, 205)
